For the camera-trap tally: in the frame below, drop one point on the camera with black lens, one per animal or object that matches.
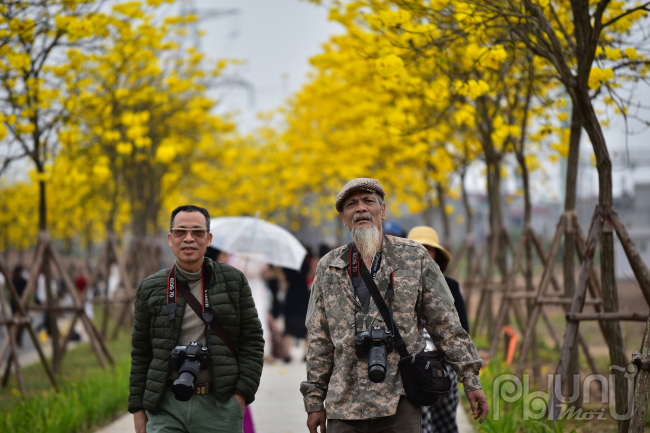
(377, 343)
(188, 361)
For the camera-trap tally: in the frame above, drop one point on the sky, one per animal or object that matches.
(275, 37)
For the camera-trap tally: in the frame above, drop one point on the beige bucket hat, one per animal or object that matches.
(428, 236)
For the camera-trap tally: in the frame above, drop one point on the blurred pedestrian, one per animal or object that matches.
(442, 417)
(254, 271)
(274, 278)
(216, 255)
(394, 229)
(81, 283)
(296, 303)
(20, 282)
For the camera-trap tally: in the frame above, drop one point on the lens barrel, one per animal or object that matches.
(377, 363)
(183, 387)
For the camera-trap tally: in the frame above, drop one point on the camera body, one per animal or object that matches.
(188, 361)
(377, 343)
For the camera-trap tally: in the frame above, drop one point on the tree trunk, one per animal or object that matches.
(569, 246)
(613, 333)
(496, 223)
(528, 212)
(471, 250)
(50, 298)
(42, 204)
(468, 209)
(446, 230)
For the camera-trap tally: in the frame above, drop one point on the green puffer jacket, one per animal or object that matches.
(234, 309)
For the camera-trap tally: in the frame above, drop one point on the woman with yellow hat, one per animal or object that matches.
(442, 417)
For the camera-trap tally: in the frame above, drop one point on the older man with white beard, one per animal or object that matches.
(338, 388)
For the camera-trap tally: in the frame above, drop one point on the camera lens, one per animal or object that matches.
(183, 387)
(377, 363)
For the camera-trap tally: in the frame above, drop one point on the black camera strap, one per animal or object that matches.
(204, 311)
(386, 314)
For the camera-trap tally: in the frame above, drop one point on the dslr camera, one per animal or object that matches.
(376, 343)
(188, 361)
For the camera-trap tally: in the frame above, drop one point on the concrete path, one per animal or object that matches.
(278, 407)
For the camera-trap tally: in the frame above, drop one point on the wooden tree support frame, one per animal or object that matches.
(474, 272)
(109, 256)
(568, 223)
(467, 249)
(511, 295)
(602, 215)
(12, 324)
(507, 287)
(46, 250)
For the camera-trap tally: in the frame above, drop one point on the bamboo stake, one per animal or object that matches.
(505, 301)
(641, 271)
(90, 328)
(21, 312)
(541, 290)
(576, 307)
(611, 317)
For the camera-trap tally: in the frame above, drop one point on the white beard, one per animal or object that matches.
(368, 241)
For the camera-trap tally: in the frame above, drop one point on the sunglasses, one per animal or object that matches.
(181, 233)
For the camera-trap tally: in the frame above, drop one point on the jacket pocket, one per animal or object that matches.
(339, 308)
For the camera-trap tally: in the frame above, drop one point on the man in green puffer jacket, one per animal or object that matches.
(229, 384)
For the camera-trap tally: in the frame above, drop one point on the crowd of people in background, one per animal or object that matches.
(281, 297)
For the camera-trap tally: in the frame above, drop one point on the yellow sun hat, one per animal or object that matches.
(428, 236)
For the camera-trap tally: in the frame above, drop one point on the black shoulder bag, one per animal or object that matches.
(424, 376)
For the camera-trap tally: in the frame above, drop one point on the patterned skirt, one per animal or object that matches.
(441, 418)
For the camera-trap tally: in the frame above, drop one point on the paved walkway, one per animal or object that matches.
(278, 406)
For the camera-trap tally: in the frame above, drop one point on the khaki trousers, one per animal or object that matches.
(407, 419)
(200, 414)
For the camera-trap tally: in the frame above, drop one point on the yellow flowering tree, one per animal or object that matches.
(139, 106)
(32, 33)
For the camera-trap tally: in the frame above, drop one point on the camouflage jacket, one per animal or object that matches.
(337, 381)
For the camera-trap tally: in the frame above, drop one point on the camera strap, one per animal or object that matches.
(386, 314)
(203, 310)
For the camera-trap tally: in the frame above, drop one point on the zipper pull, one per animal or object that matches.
(426, 367)
(413, 360)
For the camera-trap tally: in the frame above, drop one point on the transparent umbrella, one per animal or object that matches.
(257, 239)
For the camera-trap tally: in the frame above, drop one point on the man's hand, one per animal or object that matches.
(242, 403)
(315, 419)
(478, 402)
(140, 421)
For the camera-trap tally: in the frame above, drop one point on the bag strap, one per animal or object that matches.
(400, 345)
(215, 327)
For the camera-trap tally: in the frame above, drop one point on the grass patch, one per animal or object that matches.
(89, 395)
(508, 416)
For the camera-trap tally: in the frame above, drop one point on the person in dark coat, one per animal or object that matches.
(19, 283)
(296, 302)
(442, 417)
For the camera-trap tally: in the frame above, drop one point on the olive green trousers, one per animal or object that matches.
(407, 419)
(199, 414)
